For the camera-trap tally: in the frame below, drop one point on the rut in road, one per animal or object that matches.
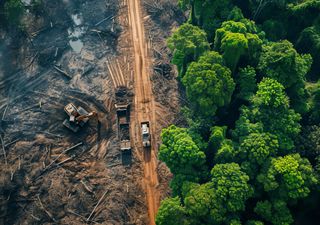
(143, 107)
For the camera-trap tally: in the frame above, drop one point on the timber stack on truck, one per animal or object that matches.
(123, 117)
(145, 132)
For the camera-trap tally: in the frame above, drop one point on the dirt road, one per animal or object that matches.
(143, 107)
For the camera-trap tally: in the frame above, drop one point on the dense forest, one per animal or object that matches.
(250, 150)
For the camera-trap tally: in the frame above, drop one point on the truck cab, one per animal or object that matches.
(145, 132)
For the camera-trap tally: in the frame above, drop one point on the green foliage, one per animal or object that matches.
(258, 147)
(234, 39)
(308, 143)
(254, 222)
(288, 177)
(269, 113)
(246, 82)
(275, 212)
(171, 212)
(223, 147)
(199, 202)
(258, 163)
(209, 85)
(246, 124)
(270, 94)
(280, 61)
(220, 199)
(183, 157)
(304, 6)
(217, 137)
(13, 11)
(181, 180)
(225, 153)
(188, 42)
(314, 101)
(231, 186)
(207, 14)
(179, 151)
(235, 221)
(309, 42)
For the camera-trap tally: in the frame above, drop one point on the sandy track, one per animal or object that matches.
(143, 107)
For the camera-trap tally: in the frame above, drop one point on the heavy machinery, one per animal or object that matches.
(146, 137)
(78, 117)
(123, 120)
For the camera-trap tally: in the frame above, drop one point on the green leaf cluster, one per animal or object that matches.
(209, 84)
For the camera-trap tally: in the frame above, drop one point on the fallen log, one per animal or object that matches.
(89, 189)
(98, 203)
(62, 71)
(4, 151)
(103, 20)
(63, 152)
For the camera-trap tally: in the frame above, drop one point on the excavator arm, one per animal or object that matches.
(87, 116)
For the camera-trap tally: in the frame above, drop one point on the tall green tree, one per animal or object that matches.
(275, 212)
(234, 40)
(270, 112)
(171, 212)
(222, 199)
(221, 146)
(183, 157)
(280, 61)
(288, 177)
(179, 151)
(309, 42)
(257, 147)
(209, 84)
(246, 83)
(188, 42)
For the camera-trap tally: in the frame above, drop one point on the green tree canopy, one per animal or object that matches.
(308, 142)
(254, 222)
(171, 212)
(221, 146)
(246, 83)
(219, 200)
(207, 14)
(270, 94)
(258, 147)
(269, 113)
(234, 40)
(309, 42)
(280, 61)
(275, 212)
(188, 42)
(288, 177)
(179, 152)
(209, 84)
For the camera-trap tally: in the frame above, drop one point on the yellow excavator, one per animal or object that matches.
(78, 117)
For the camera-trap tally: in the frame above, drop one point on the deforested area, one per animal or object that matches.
(53, 53)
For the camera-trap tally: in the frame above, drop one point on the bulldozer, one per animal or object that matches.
(78, 117)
